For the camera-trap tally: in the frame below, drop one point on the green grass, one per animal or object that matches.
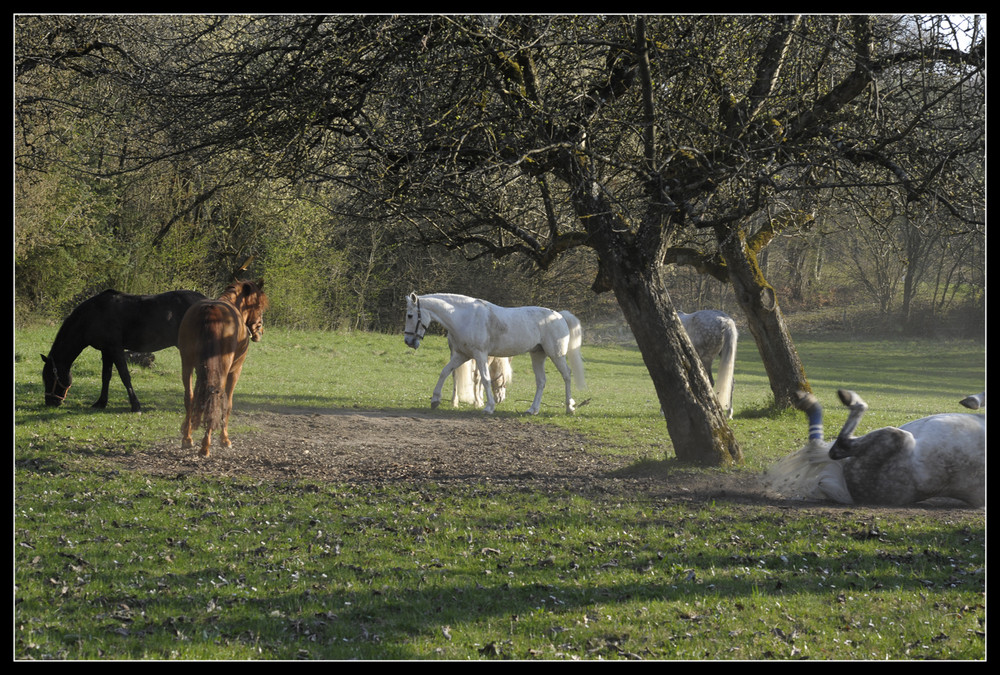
(111, 564)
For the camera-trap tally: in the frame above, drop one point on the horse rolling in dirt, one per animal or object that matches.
(112, 322)
(214, 338)
(478, 329)
(713, 334)
(937, 456)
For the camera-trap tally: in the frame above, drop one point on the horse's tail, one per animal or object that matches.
(573, 355)
(464, 391)
(209, 400)
(809, 473)
(727, 365)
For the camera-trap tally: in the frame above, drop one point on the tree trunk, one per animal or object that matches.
(757, 299)
(695, 421)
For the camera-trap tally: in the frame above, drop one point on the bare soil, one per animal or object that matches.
(347, 446)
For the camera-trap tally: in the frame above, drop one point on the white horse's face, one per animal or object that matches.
(416, 322)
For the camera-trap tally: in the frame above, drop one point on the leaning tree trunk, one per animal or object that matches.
(695, 421)
(757, 299)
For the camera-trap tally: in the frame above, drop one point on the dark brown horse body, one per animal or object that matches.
(112, 322)
(214, 338)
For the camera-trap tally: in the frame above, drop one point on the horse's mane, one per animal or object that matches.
(250, 291)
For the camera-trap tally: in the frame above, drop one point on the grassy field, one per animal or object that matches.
(111, 564)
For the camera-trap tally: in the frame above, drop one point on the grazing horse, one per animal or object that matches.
(469, 386)
(214, 338)
(937, 456)
(478, 329)
(112, 322)
(713, 333)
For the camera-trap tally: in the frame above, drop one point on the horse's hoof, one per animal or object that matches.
(804, 401)
(851, 399)
(971, 402)
(187, 445)
(99, 404)
(435, 404)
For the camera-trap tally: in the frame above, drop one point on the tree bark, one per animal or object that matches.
(759, 303)
(631, 268)
(695, 422)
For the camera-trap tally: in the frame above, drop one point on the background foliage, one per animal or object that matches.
(154, 153)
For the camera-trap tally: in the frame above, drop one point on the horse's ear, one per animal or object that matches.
(45, 359)
(413, 298)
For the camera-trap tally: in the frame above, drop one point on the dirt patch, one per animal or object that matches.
(368, 446)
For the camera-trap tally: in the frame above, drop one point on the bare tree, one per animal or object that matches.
(535, 135)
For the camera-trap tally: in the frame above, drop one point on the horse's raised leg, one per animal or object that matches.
(810, 405)
(538, 365)
(455, 362)
(842, 447)
(857, 407)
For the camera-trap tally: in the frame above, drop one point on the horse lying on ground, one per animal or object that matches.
(112, 322)
(468, 386)
(937, 456)
(713, 334)
(478, 329)
(214, 338)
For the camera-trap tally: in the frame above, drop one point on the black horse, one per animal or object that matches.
(112, 322)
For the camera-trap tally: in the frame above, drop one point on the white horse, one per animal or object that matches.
(478, 329)
(468, 386)
(938, 456)
(713, 333)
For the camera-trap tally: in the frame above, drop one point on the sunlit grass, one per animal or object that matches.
(118, 565)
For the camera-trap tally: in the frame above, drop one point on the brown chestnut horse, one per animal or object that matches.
(213, 340)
